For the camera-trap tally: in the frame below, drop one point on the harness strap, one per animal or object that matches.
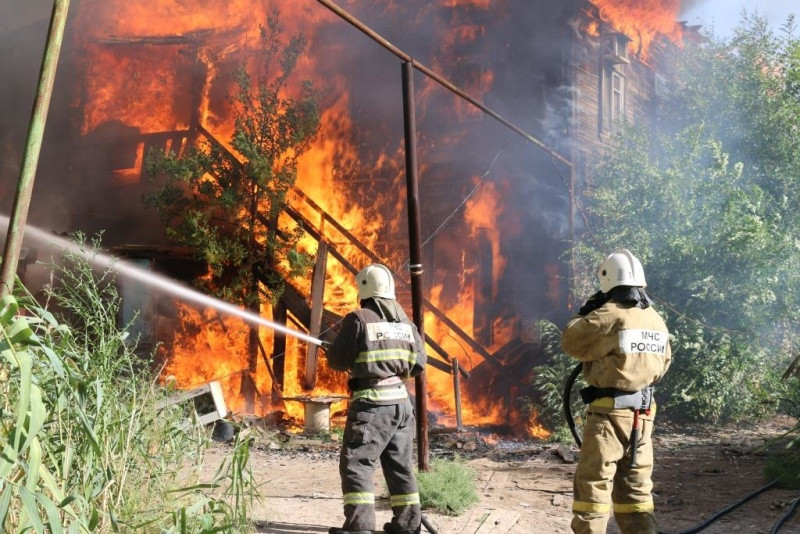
(617, 398)
(356, 384)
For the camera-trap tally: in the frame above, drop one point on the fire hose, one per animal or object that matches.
(428, 525)
(567, 404)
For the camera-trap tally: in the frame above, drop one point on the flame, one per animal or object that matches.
(208, 346)
(481, 214)
(641, 21)
(139, 67)
(536, 430)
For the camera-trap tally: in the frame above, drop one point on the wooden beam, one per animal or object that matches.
(278, 350)
(444, 367)
(310, 228)
(483, 319)
(457, 394)
(440, 365)
(315, 321)
(297, 305)
(190, 38)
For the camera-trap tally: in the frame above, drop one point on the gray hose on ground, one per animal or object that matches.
(428, 525)
(785, 517)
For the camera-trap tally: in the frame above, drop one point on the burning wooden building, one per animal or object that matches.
(497, 196)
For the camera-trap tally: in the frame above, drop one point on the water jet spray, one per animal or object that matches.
(160, 282)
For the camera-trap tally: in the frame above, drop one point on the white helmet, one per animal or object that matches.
(375, 281)
(620, 268)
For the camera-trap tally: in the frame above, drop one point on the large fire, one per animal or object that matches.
(164, 71)
(642, 20)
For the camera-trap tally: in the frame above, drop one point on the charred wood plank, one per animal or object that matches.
(297, 305)
(315, 319)
(446, 368)
(308, 226)
(440, 365)
(191, 38)
(279, 349)
(457, 392)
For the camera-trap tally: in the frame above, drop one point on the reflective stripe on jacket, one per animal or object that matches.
(620, 345)
(370, 347)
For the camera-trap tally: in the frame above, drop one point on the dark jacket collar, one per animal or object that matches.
(389, 309)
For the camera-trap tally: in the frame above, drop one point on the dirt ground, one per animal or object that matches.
(525, 486)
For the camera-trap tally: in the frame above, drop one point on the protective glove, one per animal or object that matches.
(594, 302)
(325, 344)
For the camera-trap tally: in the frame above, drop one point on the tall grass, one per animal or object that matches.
(86, 447)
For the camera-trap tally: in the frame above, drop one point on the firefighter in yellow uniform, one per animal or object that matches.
(624, 346)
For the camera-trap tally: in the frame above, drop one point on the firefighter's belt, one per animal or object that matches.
(635, 400)
(368, 383)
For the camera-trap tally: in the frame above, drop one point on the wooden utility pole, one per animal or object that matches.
(317, 303)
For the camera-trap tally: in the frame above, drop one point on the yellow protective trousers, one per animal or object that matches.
(604, 478)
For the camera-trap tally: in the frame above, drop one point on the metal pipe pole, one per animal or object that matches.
(33, 146)
(415, 255)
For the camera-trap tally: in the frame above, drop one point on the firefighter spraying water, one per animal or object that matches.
(380, 348)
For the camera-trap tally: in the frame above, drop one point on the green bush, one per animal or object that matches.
(784, 464)
(716, 377)
(449, 486)
(788, 393)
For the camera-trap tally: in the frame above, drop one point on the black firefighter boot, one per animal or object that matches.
(392, 528)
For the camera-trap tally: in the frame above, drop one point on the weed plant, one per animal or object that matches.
(785, 468)
(88, 447)
(448, 487)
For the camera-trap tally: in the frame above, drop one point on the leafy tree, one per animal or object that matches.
(707, 197)
(226, 207)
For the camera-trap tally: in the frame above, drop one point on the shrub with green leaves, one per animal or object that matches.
(448, 487)
(225, 205)
(785, 467)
